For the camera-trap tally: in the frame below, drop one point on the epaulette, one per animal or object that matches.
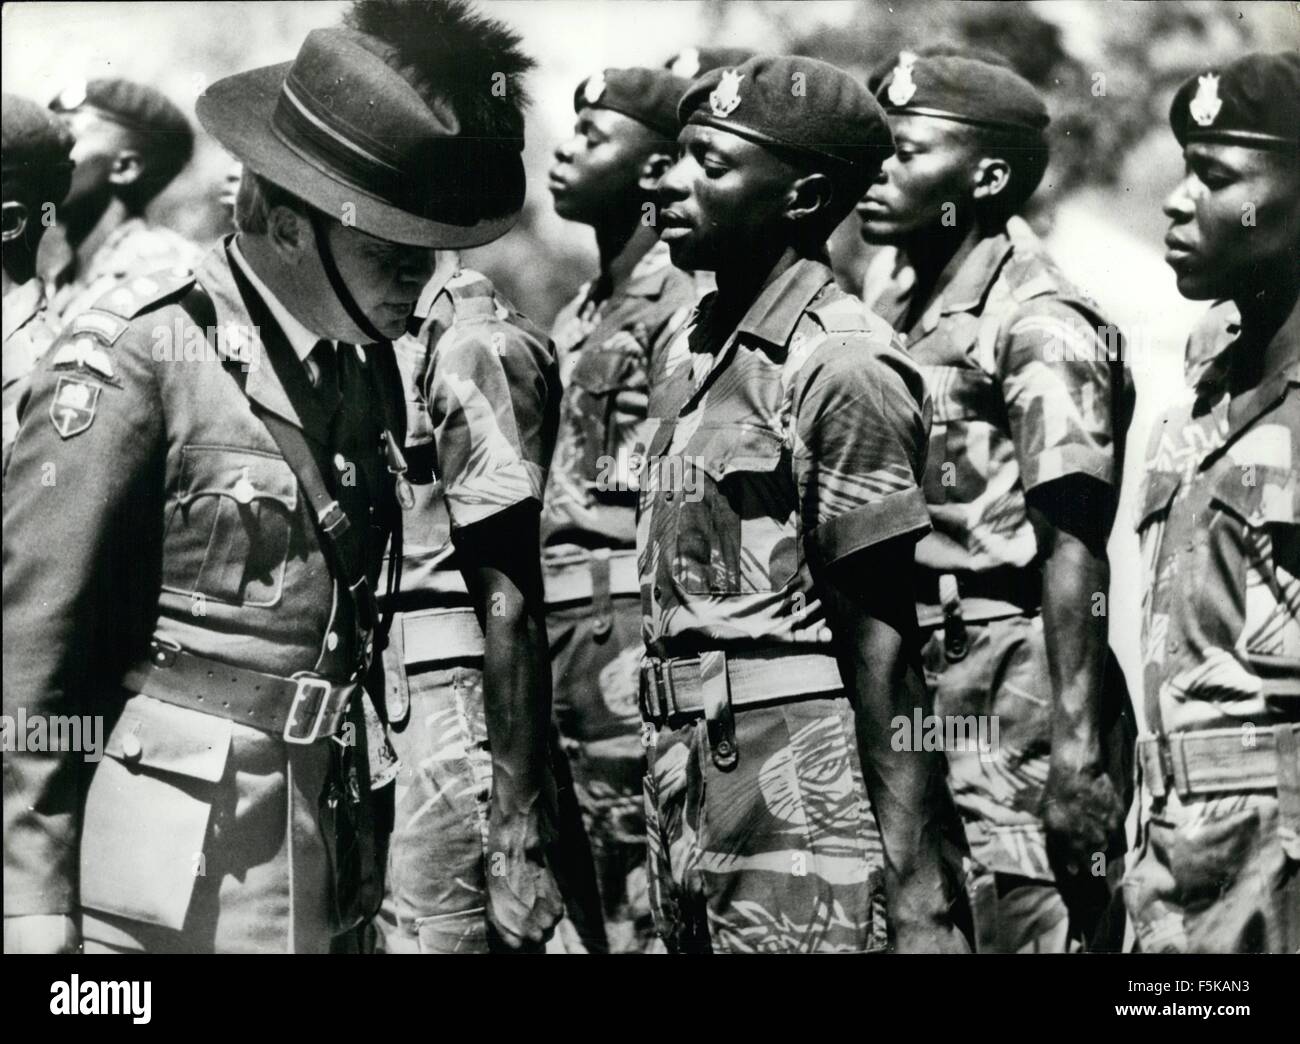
(845, 314)
(82, 342)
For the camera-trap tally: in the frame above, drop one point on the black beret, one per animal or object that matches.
(936, 50)
(965, 89)
(35, 146)
(134, 105)
(797, 104)
(695, 61)
(648, 96)
(1254, 101)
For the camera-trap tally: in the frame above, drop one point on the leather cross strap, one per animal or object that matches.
(300, 709)
(1213, 761)
(677, 687)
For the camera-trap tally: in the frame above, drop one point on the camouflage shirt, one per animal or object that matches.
(1217, 329)
(28, 334)
(802, 431)
(1220, 531)
(134, 248)
(1025, 392)
(607, 343)
(482, 400)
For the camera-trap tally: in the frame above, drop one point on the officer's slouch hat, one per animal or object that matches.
(342, 130)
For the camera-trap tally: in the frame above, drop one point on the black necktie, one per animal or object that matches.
(325, 356)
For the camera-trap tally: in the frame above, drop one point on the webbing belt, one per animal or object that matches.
(1215, 761)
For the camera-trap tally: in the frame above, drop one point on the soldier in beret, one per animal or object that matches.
(35, 169)
(780, 503)
(211, 467)
(611, 339)
(468, 674)
(1031, 410)
(1218, 868)
(131, 143)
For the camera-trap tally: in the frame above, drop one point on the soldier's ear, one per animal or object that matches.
(808, 197)
(992, 176)
(653, 169)
(290, 233)
(127, 167)
(13, 216)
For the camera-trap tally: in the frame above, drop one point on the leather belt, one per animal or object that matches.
(980, 595)
(572, 581)
(431, 635)
(676, 688)
(1215, 761)
(300, 709)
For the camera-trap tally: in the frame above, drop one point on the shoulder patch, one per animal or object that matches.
(131, 297)
(72, 409)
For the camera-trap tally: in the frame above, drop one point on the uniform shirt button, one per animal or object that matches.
(668, 495)
(132, 748)
(332, 641)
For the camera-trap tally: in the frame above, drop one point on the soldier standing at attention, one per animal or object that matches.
(192, 534)
(610, 340)
(35, 170)
(779, 508)
(1218, 868)
(468, 674)
(131, 144)
(1031, 408)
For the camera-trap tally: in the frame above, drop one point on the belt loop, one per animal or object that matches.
(719, 720)
(602, 605)
(955, 643)
(1182, 784)
(1288, 788)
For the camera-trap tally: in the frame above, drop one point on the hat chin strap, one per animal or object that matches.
(321, 229)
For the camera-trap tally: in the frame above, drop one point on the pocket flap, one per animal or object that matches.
(243, 475)
(167, 738)
(961, 393)
(600, 370)
(1259, 495)
(723, 450)
(1158, 489)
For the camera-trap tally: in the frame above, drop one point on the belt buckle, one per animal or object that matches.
(308, 684)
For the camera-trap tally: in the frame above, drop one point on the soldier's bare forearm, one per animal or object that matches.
(875, 625)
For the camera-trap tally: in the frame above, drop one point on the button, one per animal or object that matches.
(668, 495)
(332, 641)
(361, 354)
(340, 462)
(132, 748)
(657, 593)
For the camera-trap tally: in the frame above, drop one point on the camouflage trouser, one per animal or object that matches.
(780, 854)
(595, 672)
(1001, 691)
(436, 892)
(1215, 876)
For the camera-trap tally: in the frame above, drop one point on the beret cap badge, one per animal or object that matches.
(902, 86)
(1206, 105)
(594, 88)
(73, 96)
(725, 98)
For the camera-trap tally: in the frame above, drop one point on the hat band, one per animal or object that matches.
(1247, 139)
(957, 117)
(308, 135)
(699, 116)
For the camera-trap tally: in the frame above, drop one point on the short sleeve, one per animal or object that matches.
(1057, 384)
(861, 427)
(491, 398)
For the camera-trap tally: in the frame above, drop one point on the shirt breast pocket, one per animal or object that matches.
(600, 373)
(965, 435)
(228, 532)
(1256, 522)
(736, 530)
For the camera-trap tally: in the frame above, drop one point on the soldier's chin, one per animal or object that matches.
(686, 255)
(1199, 286)
(391, 322)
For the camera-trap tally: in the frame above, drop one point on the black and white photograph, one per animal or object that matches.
(653, 477)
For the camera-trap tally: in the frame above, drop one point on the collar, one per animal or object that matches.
(21, 304)
(302, 340)
(648, 275)
(971, 284)
(1244, 408)
(777, 310)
